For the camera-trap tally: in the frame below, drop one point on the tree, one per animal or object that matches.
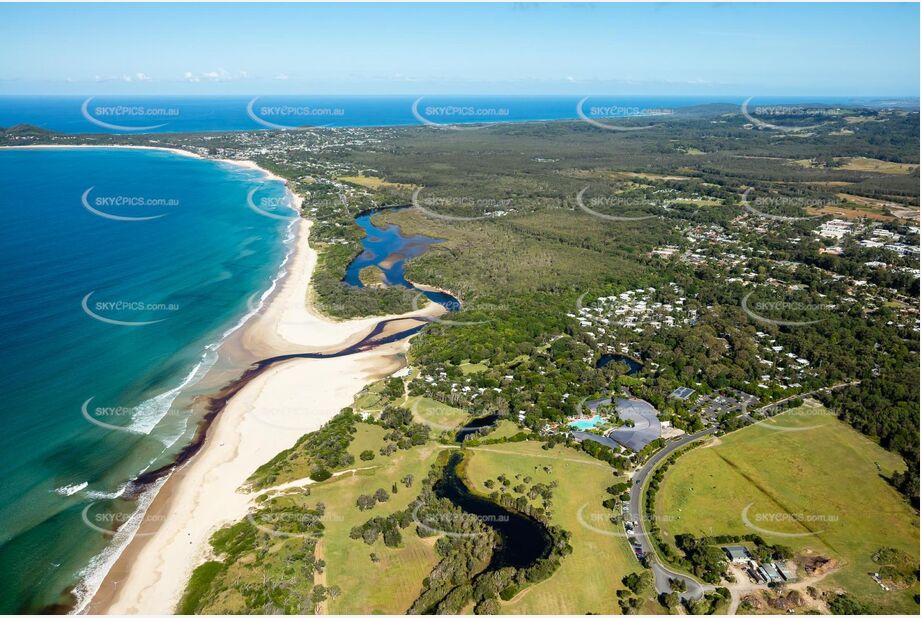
(365, 502)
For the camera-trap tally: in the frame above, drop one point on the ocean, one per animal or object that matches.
(123, 270)
(166, 114)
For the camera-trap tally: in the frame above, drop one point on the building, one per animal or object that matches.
(788, 574)
(773, 575)
(737, 554)
(682, 393)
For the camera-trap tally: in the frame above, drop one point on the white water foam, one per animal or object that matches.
(106, 495)
(69, 490)
(95, 572)
(92, 575)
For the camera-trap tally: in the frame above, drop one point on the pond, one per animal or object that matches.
(522, 539)
(475, 425)
(633, 365)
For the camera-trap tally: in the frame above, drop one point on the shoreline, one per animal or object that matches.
(256, 419)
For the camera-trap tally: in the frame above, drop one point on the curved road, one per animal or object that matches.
(662, 573)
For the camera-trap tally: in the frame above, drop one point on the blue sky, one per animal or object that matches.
(681, 49)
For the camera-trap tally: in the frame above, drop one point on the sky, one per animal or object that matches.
(840, 49)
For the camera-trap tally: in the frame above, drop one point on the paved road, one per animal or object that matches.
(776, 404)
(662, 573)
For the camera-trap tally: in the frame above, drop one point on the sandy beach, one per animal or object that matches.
(266, 416)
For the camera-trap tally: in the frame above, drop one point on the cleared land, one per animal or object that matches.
(390, 585)
(437, 415)
(373, 182)
(863, 164)
(819, 483)
(588, 579)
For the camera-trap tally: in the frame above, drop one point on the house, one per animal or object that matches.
(737, 554)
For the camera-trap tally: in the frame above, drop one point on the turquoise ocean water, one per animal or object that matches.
(103, 320)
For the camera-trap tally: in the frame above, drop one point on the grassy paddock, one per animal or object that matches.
(588, 579)
(437, 415)
(821, 483)
(392, 584)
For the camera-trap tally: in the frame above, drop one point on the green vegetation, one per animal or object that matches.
(525, 273)
(806, 481)
(371, 276)
(589, 578)
(266, 563)
(316, 454)
(439, 416)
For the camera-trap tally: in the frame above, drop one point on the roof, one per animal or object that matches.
(785, 570)
(584, 435)
(646, 425)
(682, 392)
(737, 552)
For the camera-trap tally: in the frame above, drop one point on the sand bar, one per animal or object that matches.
(268, 415)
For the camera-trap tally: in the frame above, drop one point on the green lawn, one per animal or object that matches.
(467, 368)
(588, 579)
(505, 429)
(391, 585)
(437, 415)
(820, 483)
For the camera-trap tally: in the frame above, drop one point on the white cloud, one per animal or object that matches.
(220, 75)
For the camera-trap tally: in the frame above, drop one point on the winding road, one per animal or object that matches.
(661, 571)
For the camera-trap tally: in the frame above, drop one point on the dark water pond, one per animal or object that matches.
(475, 425)
(522, 540)
(633, 366)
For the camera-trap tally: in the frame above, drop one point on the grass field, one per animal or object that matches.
(820, 483)
(467, 368)
(588, 579)
(373, 182)
(863, 164)
(392, 584)
(437, 415)
(505, 429)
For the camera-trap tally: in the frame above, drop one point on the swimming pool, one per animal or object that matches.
(586, 423)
